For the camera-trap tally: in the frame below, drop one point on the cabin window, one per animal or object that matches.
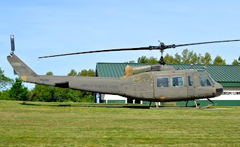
(162, 82)
(177, 81)
(204, 81)
(190, 80)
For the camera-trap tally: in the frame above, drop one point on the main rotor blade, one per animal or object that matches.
(210, 42)
(161, 47)
(98, 51)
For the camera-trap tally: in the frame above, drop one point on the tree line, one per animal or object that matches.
(15, 90)
(18, 91)
(187, 57)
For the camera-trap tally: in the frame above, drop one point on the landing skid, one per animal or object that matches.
(196, 105)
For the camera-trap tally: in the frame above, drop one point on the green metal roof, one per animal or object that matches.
(227, 75)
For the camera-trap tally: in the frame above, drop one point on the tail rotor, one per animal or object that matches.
(12, 44)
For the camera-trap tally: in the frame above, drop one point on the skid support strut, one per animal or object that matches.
(150, 104)
(210, 101)
(195, 103)
(186, 104)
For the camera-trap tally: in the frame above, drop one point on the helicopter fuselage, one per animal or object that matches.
(144, 83)
(178, 85)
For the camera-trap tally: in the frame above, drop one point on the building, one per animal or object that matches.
(227, 75)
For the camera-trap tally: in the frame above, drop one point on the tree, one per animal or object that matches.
(4, 95)
(206, 59)
(186, 55)
(72, 73)
(4, 81)
(88, 73)
(56, 94)
(49, 73)
(132, 61)
(196, 59)
(18, 91)
(168, 59)
(87, 96)
(42, 93)
(235, 62)
(142, 59)
(152, 60)
(177, 59)
(219, 61)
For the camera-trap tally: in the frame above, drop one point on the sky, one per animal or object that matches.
(46, 27)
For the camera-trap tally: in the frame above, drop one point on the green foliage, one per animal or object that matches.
(150, 60)
(49, 73)
(196, 59)
(87, 73)
(206, 59)
(186, 57)
(42, 93)
(235, 62)
(143, 59)
(219, 61)
(72, 73)
(132, 61)
(54, 94)
(4, 81)
(18, 91)
(4, 95)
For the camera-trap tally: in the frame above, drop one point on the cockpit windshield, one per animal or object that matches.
(212, 80)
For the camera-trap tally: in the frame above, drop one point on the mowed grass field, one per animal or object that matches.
(47, 124)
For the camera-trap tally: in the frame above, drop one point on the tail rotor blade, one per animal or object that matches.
(12, 43)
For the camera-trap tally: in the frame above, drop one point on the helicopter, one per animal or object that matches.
(153, 83)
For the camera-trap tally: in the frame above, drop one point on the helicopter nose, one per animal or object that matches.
(219, 89)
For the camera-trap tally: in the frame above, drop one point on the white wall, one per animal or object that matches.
(227, 95)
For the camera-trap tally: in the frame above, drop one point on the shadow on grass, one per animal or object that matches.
(131, 106)
(137, 106)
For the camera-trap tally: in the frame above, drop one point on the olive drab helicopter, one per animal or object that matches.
(154, 83)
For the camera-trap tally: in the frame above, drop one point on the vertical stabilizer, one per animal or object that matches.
(20, 67)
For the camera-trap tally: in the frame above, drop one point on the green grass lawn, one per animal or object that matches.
(47, 124)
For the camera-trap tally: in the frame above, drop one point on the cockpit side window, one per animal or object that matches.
(162, 82)
(177, 81)
(212, 80)
(204, 81)
(190, 80)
